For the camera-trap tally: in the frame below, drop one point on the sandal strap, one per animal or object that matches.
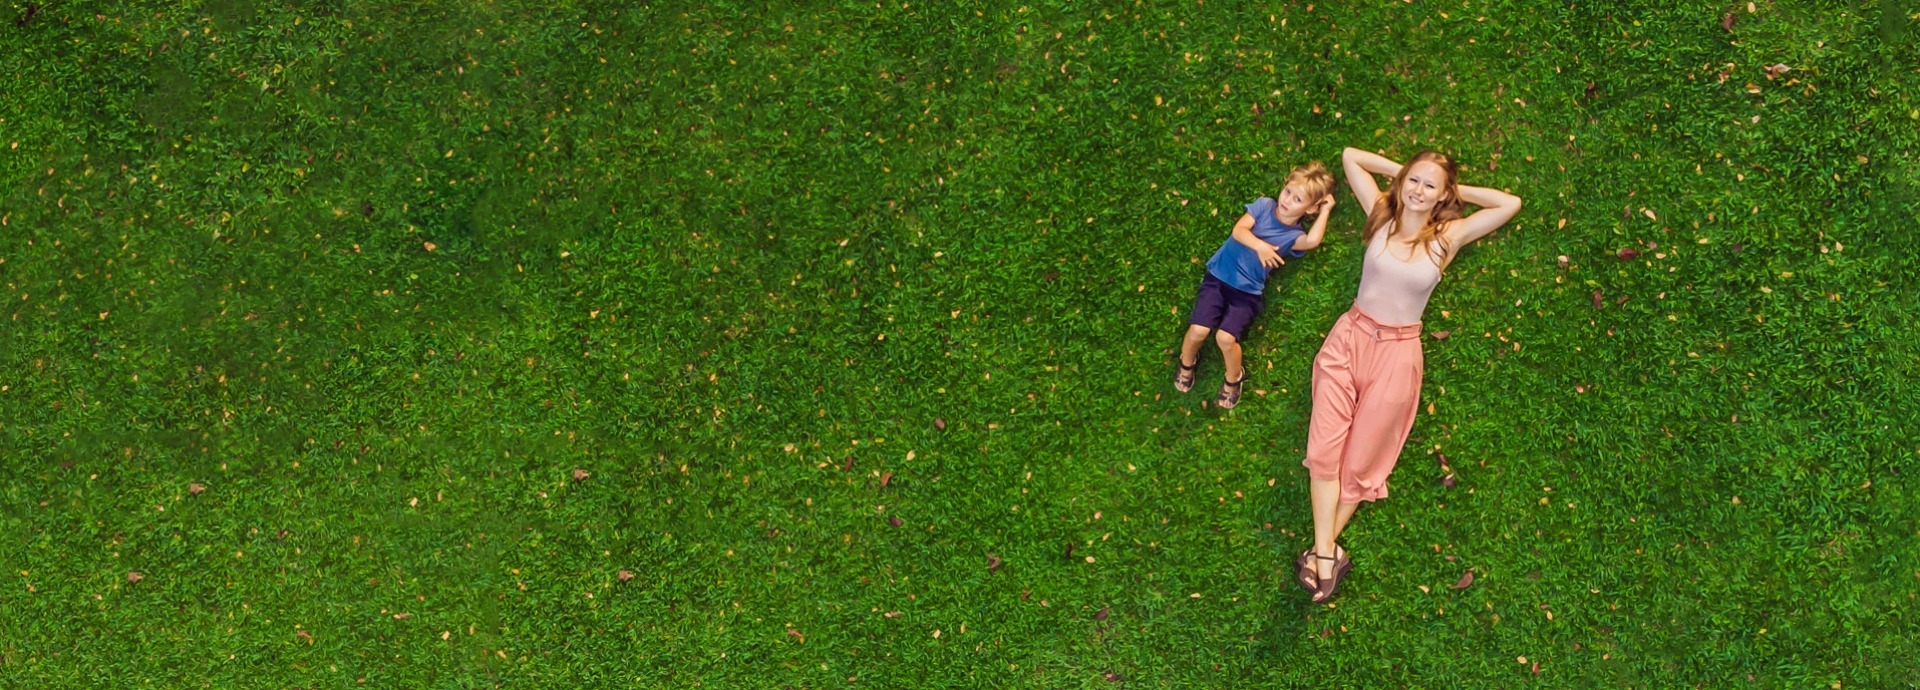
(1231, 396)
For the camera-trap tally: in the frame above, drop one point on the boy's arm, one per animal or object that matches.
(1243, 233)
(1311, 240)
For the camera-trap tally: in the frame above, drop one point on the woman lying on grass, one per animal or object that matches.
(1366, 379)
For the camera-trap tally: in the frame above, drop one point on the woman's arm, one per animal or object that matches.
(1243, 233)
(1311, 240)
(1361, 166)
(1496, 208)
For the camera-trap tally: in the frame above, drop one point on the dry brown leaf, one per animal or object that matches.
(1465, 581)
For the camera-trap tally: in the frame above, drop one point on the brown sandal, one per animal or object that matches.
(1229, 399)
(1323, 589)
(1303, 570)
(1183, 380)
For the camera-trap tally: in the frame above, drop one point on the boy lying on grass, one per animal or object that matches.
(1232, 293)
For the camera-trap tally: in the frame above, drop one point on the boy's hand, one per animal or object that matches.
(1269, 256)
(1326, 204)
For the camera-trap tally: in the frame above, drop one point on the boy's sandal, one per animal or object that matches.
(1183, 380)
(1230, 393)
(1323, 590)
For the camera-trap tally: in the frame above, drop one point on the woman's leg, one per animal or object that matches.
(1334, 397)
(1382, 419)
(1330, 517)
(1377, 432)
(1327, 522)
(1342, 514)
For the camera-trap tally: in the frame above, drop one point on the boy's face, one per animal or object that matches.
(1293, 201)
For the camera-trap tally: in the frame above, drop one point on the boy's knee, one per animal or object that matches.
(1197, 331)
(1225, 339)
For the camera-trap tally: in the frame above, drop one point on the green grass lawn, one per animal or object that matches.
(691, 345)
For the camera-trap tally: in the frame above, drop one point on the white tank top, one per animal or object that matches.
(1393, 291)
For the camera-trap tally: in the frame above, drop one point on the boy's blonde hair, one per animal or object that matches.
(1314, 177)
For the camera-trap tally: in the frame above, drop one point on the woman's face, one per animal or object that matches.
(1425, 187)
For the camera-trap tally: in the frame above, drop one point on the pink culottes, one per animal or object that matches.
(1366, 391)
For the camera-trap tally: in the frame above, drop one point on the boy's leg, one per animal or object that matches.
(1235, 373)
(1189, 356)
(1209, 309)
(1230, 353)
(1190, 345)
(1242, 308)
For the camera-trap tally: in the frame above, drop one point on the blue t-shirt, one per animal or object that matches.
(1238, 266)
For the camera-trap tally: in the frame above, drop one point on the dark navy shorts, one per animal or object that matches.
(1220, 306)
